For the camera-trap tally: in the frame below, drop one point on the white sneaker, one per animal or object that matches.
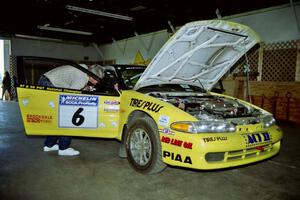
(68, 152)
(53, 148)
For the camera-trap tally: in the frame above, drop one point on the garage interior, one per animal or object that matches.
(132, 32)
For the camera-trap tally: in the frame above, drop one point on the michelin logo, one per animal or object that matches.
(76, 100)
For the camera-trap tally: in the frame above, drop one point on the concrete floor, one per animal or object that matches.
(26, 172)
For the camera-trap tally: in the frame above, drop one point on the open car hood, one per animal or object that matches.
(199, 54)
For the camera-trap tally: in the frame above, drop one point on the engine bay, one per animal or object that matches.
(205, 106)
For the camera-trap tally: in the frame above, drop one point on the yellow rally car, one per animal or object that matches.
(169, 116)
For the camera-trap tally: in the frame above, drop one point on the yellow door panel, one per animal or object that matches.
(65, 112)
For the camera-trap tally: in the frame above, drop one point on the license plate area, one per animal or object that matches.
(257, 139)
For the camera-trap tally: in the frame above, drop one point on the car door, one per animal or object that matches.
(55, 111)
(62, 111)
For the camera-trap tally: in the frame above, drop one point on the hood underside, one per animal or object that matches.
(199, 54)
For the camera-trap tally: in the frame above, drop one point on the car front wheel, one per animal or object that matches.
(143, 146)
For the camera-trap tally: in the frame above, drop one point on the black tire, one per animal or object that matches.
(144, 157)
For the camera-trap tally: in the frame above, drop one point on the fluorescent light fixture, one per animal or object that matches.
(138, 8)
(48, 28)
(37, 38)
(97, 12)
(46, 39)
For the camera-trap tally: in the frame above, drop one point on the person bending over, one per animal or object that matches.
(67, 76)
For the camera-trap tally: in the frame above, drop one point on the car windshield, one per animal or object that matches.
(130, 75)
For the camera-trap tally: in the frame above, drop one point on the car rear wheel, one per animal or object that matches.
(143, 146)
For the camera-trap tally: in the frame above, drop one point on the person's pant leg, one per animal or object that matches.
(64, 142)
(51, 140)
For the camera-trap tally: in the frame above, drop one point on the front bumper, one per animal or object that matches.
(221, 150)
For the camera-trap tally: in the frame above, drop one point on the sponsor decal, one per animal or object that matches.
(63, 90)
(75, 100)
(111, 102)
(176, 142)
(254, 139)
(166, 131)
(32, 86)
(139, 103)
(177, 157)
(51, 89)
(78, 111)
(111, 109)
(214, 139)
(163, 120)
(72, 91)
(31, 118)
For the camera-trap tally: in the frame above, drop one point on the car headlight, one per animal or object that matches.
(268, 121)
(203, 127)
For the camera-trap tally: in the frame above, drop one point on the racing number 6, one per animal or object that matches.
(78, 119)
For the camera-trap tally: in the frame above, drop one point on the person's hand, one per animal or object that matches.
(89, 88)
(116, 86)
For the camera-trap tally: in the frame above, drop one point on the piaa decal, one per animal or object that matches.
(177, 157)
